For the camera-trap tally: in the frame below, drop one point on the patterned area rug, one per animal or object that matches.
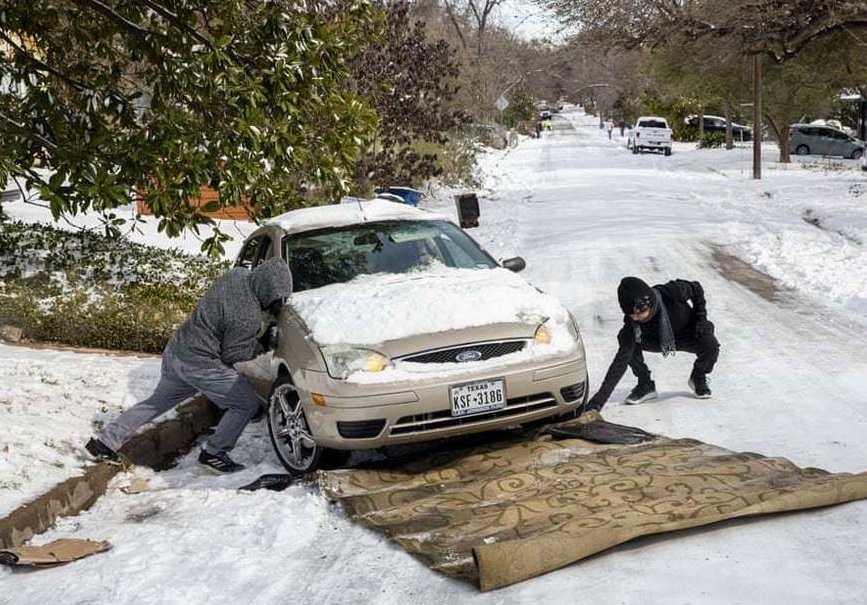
(506, 512)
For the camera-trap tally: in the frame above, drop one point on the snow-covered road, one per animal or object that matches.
(584, 212)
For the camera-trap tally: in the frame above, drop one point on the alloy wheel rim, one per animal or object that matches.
(289, 425)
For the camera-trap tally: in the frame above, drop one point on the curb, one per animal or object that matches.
(157, 448)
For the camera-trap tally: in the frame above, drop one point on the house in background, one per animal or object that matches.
(240, 212)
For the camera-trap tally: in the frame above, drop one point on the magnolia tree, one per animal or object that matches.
(109, 99)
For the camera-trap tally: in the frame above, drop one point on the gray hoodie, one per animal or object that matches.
(222, 329)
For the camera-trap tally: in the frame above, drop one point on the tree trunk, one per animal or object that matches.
(781, 133)
(757, 116)
(729, 142)
(785, 132)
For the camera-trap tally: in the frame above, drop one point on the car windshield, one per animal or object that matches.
(329, 256)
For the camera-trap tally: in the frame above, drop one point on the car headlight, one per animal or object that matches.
(343, 361)
(543, 335)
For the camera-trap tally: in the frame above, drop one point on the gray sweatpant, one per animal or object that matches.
(178, 382)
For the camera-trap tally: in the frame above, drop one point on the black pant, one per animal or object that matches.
(706, 350)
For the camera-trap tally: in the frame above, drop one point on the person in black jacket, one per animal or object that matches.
(665, 318)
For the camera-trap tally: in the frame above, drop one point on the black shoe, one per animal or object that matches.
(643, 391)
(219, 462)
(101, 451)
(699, 386)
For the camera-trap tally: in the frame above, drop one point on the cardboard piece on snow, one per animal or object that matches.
(54, 553)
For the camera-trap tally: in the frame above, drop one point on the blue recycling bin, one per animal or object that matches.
(407, 194)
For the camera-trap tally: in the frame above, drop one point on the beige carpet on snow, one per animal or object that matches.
(506, 512)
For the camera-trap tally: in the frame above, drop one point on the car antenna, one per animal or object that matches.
(361, 209)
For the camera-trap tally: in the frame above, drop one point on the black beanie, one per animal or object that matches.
(633, 292)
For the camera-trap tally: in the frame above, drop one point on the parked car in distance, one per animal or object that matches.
(740, 132)
(402, 329)
(650, 132)
(813, 139)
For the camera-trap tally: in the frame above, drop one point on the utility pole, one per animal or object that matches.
(757, 115)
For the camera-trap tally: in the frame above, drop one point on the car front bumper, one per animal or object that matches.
(368, 416)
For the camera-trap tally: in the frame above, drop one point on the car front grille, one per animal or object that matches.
(476, 351)
(436, 421)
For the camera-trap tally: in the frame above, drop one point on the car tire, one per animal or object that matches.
(856, 155)
(289, 430)
(634, 149)
(667, 151)
(802, 150)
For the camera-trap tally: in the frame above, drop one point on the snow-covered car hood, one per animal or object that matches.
(377, 308)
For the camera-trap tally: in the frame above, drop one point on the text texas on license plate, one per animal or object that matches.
(478, 397)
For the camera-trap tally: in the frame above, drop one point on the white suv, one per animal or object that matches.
(652, 133)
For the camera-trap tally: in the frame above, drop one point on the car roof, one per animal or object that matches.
(352, 213)
(804, 125)
(708, 115)
(650, 118)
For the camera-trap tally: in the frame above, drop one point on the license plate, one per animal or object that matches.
(478, 397)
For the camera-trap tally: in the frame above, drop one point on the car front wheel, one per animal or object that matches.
(802, 150)
(856, 155)
(290, 433)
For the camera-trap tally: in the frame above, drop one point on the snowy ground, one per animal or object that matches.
(584, 212)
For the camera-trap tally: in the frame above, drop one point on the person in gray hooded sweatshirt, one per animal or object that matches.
(222, 330)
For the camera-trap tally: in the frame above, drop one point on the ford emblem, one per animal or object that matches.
(468, 355)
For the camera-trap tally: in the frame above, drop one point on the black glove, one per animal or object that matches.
(703, 328)
(268, 340)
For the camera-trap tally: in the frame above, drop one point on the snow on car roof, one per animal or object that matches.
(340, 215)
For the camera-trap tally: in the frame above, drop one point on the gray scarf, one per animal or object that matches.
(666, 334)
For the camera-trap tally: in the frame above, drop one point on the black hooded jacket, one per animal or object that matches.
(686, 306)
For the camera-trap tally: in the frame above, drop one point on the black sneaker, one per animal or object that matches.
(101, 451)
(219, 462)
(699, 386)
(643, 391)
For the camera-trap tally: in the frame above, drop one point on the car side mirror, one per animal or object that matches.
(515, 264)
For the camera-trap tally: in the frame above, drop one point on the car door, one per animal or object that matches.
(826, 143)
(840, 144)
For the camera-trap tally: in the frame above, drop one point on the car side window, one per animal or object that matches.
(254, 252)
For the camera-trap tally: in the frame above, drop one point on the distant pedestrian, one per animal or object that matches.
(610, 128)
(538, 128)
(622, 125)
(665, 318)
(222, 330)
